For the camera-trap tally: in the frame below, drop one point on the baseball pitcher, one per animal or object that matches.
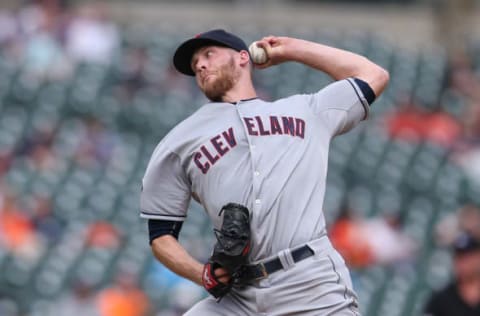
(259, 169)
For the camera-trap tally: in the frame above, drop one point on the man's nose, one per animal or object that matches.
(200, 65)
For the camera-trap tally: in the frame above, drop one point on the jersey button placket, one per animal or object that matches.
(252, 147)
(256, 186)
(256, 181)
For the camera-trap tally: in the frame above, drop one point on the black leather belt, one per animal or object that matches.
(263, 269)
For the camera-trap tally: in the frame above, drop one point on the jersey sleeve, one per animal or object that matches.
(165, 188)
(341, 105)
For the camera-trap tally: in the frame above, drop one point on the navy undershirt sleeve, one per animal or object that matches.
(157, 228)
(366, 90)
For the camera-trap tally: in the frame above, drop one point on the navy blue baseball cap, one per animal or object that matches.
(183, 55)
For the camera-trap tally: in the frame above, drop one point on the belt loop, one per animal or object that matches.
(286, 259)
(320, 245)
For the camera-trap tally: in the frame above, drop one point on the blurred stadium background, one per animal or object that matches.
(87, 90)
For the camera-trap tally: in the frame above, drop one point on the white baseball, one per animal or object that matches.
(258, 54)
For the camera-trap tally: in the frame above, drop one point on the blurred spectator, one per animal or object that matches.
(30, 17)
(43, 158)
(8, 27)
(346, 236)
(96, 145)
(101, 234)
(376, 240)
(388, 244)
(43, 219)
(79, 301)
(412, 123)
(91, 37)
(17, 231)
(123, 298)
(43, 56)
(462, 78)
(37, 147)
(466, 219)
(462, 295)
(406, 122)
(5, 160)
(442, 128)
(466, 84)
(132, 70)
(41, 137)
(471, 124)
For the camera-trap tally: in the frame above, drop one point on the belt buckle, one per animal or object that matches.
(263, 270)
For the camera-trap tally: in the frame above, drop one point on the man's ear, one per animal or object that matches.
(244, 58)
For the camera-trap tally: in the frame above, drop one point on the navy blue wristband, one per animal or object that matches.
(157, 228)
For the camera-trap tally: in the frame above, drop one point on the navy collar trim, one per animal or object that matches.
(243, 100)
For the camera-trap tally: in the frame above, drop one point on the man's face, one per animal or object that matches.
(467, 265)
(215, 70)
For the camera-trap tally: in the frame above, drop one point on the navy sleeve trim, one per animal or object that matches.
(366, 90)
(361, 98)
(157, 228)
(151, 215)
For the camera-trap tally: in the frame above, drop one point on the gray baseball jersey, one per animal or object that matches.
(269, 156)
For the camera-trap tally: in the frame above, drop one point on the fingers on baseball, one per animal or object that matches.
(272, 46)
(264, 43)
(269, 38)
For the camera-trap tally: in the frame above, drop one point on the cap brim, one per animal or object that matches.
(183, 55)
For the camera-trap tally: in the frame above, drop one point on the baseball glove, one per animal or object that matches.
(231, 250)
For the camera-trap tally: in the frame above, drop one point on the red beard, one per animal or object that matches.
(225, 78)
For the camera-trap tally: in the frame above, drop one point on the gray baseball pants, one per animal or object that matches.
(316, 286)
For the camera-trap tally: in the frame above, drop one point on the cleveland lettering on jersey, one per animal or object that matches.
(220, 144)
(210, 153)
(274, 125)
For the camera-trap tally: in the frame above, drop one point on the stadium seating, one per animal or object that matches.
(378, 172)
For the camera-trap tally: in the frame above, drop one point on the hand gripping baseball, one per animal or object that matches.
(231, 250)
(276, 49)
